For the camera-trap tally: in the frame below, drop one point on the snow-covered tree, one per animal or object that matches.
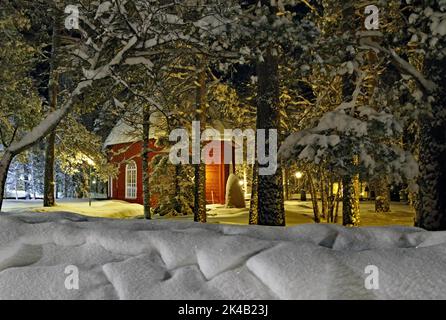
(427, 27)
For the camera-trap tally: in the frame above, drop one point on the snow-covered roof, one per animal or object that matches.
(124, 132)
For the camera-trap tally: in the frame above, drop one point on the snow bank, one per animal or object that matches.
(113, 209)
(135, 259)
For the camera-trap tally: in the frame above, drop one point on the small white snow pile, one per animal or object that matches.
(135, 259)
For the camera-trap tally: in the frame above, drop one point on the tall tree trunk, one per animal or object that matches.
(431, 202)
(324, 194)
(49, 199)
(178, 206)
(66, 186)
(336, 216)
(33, 177)
(350, 181)
(313, 191)
(16, 180)
(382, 192)
(5, 163)
(49, 179)
(350, 201)
(26, 181)
(253, 208)
(145, 163)
(271, 211)
(200, 214)
(286, 176)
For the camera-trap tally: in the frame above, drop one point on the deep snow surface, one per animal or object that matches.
(135, 259)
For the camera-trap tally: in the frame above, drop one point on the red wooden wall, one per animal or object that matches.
(121, 154)
(216, 174)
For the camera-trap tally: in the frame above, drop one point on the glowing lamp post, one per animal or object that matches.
(299, 175)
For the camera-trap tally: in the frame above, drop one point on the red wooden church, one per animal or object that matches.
(125, 151)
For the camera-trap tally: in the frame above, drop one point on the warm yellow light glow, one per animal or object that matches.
(89, 161)
(299, 175)
(335, 188)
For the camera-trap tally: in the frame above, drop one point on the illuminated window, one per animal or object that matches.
(131, 180)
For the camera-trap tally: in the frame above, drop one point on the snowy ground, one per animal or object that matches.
(297, 212)
(99, 209)
(136, 259)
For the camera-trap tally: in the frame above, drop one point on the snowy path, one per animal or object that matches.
(180, 260)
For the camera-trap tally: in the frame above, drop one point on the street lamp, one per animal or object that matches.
(299, 175)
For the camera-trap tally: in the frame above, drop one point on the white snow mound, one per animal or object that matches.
(136, 259)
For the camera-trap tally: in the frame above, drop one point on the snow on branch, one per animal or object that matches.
(105, 71)
(401, 64)
(49, 123)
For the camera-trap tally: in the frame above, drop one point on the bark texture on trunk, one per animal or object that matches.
(200, 214)
(313, 192)
(431, 202)
(286, 177)
(5, 162)
(27, 181)
(253, 212)
(350, 201)
(382, 192)
(49, 183)
(49, 179)
(145, 163)
(271, 211)
(178, 206)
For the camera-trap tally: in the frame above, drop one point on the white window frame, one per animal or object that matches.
(131, 187)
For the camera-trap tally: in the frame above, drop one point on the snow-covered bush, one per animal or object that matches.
(173, 189)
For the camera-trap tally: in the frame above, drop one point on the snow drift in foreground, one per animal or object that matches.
(135, 259)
